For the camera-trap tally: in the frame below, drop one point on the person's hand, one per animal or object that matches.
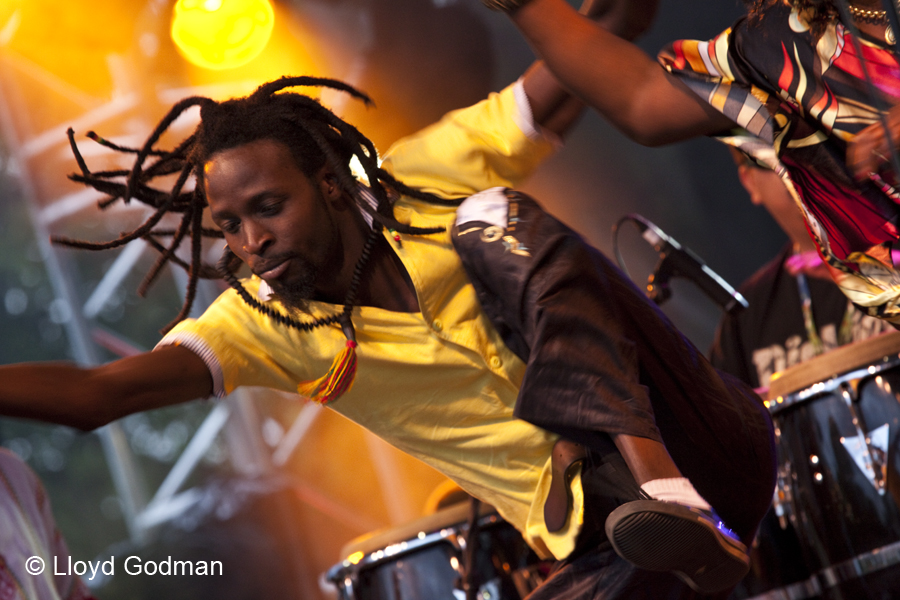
(809, 263)
(870, 150)
(626, 18)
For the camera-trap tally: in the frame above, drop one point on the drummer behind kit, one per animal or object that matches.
(837, 418)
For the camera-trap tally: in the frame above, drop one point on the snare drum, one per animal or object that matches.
(424, 560)
(837, 419)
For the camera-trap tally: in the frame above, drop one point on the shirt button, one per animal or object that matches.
(437, 325)
(495, 362)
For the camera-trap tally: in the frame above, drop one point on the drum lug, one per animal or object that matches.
(781, 502)
(868, 450)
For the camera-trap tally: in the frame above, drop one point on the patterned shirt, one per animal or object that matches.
(799, 100)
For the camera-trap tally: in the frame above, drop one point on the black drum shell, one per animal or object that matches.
(427, 565)
(840, 517)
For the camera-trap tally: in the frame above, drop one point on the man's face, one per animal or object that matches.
(275, 219)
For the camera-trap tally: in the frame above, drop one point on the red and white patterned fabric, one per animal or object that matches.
(799, 99)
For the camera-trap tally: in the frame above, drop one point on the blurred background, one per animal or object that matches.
(269, 485)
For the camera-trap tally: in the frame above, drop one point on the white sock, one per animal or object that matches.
(675, 489)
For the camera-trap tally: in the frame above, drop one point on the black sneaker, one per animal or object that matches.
(689, 542)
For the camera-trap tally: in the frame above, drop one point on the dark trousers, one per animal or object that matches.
(603, 360)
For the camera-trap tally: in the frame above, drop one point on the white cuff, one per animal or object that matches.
(199, 347)
(524, 117)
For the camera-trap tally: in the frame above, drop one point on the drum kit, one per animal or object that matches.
(833, 531)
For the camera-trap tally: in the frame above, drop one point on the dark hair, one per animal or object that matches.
(313, 134)
(819, 12)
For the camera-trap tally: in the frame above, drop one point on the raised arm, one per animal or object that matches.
(554, 107)
(614, 76)
(88, 398)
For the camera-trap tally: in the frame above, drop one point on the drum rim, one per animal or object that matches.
(832, 576)
(452, 516)
(369, 556)
(801, 381)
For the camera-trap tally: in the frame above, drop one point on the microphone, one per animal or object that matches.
(677, 260)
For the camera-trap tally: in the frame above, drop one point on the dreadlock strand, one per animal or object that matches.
(392, 223)
(162, 250)
(414, 193)
(113, 146)
(272, 87)
(111, 174)
(164, 166)
(205, 231)
(166, 254)
(123, 239)
(161, 127)
(207, 271)
(193, 276)
(79, 160)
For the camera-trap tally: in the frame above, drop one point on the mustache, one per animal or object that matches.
(297, 291)
(259, 267)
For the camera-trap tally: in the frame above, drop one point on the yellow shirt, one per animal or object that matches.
(438, 384)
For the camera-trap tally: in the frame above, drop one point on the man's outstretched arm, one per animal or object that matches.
(88, 398)
(614, 76)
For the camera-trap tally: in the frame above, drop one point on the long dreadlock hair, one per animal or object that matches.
(313, 134)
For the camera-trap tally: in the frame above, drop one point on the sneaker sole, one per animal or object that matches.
(661, 536)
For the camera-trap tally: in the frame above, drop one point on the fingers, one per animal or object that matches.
(871, 149)
(867, 152)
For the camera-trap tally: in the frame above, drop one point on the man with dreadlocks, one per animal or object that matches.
(807, 88)
(584, 473)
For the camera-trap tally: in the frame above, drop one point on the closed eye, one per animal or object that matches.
(270, 206)
(231, 226)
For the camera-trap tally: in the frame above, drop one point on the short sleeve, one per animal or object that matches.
(242, 347)
(471, 149)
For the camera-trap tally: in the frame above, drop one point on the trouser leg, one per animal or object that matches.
(594, 571)
(536, 283)
(603, 360)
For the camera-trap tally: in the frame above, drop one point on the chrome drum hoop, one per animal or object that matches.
(831, 385)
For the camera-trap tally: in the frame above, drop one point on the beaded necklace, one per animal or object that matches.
(874, 17)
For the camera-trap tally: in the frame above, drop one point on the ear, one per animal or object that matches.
(329, 184)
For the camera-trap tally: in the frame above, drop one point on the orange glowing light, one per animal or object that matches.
(222, 34)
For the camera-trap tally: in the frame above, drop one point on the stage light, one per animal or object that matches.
(221, 34)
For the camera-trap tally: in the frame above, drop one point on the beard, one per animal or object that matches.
(299, 290)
